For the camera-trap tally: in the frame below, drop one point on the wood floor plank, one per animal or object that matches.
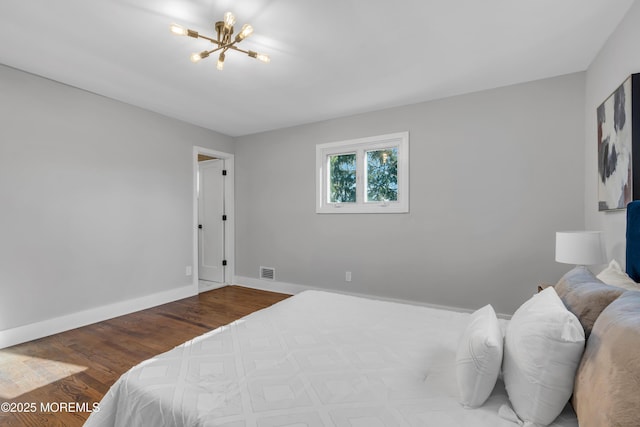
(80, 365)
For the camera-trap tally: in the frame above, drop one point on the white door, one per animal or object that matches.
(210, 220)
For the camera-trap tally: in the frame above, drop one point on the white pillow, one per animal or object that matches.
(479, 357)
(614, 275)
(543, 346)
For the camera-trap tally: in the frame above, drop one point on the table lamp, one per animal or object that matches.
(580, 247)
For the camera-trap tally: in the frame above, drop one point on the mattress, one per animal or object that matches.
(316, 359)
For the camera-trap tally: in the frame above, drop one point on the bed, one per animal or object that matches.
(325, 359)
(316, 359)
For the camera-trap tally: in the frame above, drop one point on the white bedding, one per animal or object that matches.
(316, 359)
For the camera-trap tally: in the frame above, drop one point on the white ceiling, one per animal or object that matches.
(329, 58)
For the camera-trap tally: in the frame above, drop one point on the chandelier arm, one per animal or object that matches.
(212, 40)
(215, 50)
(229, 45)
(232, 46)
(226, 47)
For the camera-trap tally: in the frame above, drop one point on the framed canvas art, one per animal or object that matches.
(618, 137)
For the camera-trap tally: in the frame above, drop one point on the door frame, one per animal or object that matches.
(229, 203)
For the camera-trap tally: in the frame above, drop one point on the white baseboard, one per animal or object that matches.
(204, 286)
(67, 322)
(273, 285)
(292, 289)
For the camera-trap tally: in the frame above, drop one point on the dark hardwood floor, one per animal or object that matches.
(54, 380)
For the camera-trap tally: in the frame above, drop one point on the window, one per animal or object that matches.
(367, 175)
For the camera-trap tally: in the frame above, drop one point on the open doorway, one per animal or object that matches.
(213, 219)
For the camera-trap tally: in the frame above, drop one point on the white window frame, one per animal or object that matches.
(360, 147)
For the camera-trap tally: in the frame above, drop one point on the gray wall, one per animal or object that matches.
(493, 175)
(96, 199)
(619, 58)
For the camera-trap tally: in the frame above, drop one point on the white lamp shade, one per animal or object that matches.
(580, 247)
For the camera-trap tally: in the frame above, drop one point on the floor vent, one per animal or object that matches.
(267, 273)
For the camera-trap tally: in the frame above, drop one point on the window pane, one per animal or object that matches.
(342, 178)
(382, 175)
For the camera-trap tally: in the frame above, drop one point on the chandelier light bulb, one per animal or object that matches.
(196, 57)
(246, 31)
(177, 30)
(229, 19)
(264, 58)
(259, 56)
(220, 65)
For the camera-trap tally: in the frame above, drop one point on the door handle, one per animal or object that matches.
(200, 226)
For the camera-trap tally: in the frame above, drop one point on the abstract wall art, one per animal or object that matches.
(618, 137)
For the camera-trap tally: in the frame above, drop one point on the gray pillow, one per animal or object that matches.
(608, 377)
(585, 296)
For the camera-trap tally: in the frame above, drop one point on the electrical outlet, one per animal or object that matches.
(188, 271)
(347, 276)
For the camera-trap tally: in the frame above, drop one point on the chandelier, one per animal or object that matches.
(224, 40)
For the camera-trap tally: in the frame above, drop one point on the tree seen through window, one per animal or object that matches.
(342, 178)
(382, 175)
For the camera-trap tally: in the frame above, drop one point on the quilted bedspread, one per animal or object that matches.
(316, 359)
